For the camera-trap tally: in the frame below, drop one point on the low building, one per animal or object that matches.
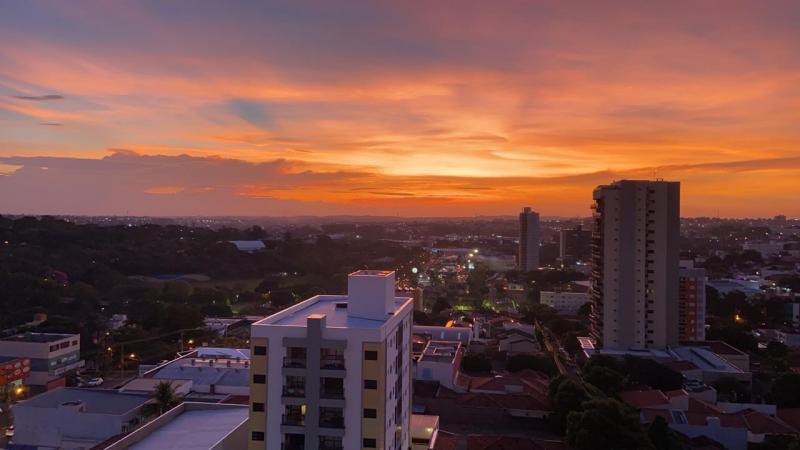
(191, 426)
(225, 326)
(249, 246)
(518, 341)
(424, 431)
(439, 361)
(734, 425)
(76, 418)
(214, 373)
(439, 333)
(565, 303)
(51, 355)
(13, 372)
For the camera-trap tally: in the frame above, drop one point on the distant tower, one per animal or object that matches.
(635, 264)
(528, 240)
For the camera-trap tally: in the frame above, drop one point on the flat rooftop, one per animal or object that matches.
(96, 401)
(190, 426)
(37, 337)
(440, 351)
(206, 366)
(334, 307)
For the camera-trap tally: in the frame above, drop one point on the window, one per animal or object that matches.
(260, 350)
(259, 379)
(370, 413)
(370, 443)
(64, 344)
(258, 407)
(370, 384)
(371, 355)
(74, 342)
(257, 435)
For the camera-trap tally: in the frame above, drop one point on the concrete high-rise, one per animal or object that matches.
(528, 240)
(635, 264)
(692, 305)
(334, 371)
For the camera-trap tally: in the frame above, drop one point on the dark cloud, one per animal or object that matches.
(39, 98)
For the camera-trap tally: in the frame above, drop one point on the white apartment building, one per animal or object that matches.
(334, 371)
(565, 303)
(528, 240)
(635, 253)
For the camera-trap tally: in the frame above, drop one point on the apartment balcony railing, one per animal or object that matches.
(330, 446)
(294, 391)
(332, 393)
(295, 420)
(331, 363)
(293, 361)
(331, 421)
(292, 446)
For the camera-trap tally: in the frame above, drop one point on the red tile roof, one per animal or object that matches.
(644, 399)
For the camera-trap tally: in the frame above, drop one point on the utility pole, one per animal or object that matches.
(122, 362)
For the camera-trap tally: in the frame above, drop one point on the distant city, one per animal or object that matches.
(340, 333)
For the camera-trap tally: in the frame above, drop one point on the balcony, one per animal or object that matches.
(331, 362)
(294, 420)
(294, 391)
(331, 421)
(337, 394)
(294, 362)
(330, 446)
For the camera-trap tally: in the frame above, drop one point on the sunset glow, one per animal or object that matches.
(411, 108)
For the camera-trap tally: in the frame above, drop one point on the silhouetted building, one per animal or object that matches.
(635, 254)
(528, 240)
(692, 305)
(575, 245)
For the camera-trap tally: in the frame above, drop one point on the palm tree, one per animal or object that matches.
(165, 396)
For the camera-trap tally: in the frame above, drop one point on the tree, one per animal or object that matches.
(777, 349)
(732, 389)
(785, 391)
(538, 363)
(476, 362)
(605, 424)
(165, 396)
(542, 313)
(607, 380)
(440, 305)
(661, 436)
(651, 373)
(567, 394)
(281, 298)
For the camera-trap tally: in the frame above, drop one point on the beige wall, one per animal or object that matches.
(374, 398)
(258, 393)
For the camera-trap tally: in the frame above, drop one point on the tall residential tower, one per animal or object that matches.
(528, 240)
(334, 371)
(635, 254)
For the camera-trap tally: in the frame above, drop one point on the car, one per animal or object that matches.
(92, 382)
(10, 431)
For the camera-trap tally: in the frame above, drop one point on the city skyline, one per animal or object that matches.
(396, 109)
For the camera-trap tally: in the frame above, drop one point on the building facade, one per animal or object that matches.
(692, 306)
(528, 240)
(635, 254)
(334, 371)
(51, 356)
(565, 303)
(12, 373)
(574, 245)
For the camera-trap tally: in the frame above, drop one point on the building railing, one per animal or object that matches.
(331, 422)
(294, 391)
(295, 420)
(332, 393)
(331, 363)
(293, 361)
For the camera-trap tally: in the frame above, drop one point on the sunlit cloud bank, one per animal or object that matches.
(413, 108)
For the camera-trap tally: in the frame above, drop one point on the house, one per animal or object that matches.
(734, 425)
(424, 431)
(76, 418)
(440, 361)
(518, 341)
(450, 441)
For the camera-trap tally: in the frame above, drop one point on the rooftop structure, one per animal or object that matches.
(219, 371)
(74, 418)
(334, 371)
(37, 337)
(191, 426)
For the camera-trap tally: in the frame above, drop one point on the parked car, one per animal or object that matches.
(92, 382)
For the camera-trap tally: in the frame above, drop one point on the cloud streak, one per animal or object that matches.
(477, 102)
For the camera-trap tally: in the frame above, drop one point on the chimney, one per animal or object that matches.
(370, 294)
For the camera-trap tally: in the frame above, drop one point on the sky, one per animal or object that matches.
(412, 108)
